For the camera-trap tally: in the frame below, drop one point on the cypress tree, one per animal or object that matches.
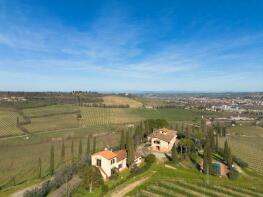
(17, 121)
(130, 150)
(174, 154)
(224, 131)
(211, 138)
(147, 127)
(72, 151)
(225, 156)
(182, 127)
(137, 138)
(210, 159)
(202, 124)
(123, 140)
(94, 144)
(88, 147)
(193, 129)
(80, 150)
(216, 142)
(229, 159)
(207, 159)
(52, 162)
(39, 168)
(176, 126)
(63, 151)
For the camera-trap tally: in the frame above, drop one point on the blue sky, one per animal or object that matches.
(131, 45)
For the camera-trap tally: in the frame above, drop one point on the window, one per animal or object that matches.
(98, 162)
(156, 142)
(120, 166)
(112, 161)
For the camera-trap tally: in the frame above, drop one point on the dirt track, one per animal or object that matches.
(126, 189)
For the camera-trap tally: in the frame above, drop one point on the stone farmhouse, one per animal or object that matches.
(162, 140)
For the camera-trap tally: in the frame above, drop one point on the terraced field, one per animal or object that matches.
(191, 184)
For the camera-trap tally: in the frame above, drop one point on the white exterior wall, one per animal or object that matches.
(106, 164)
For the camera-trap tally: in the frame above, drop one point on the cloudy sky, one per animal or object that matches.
(131, 45)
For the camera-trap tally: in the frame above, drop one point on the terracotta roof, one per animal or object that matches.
(106, 154)
(121, 154)
(164, 134)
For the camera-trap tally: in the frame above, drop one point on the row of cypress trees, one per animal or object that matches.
(210, 147)
(89, 150)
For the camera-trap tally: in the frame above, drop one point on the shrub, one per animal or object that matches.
(104, 189)
(233, 174)
(240, 162)
(150, 159)
(91, 176)
(62, 175)
(115, 174)
(135, 169)
(41, 191)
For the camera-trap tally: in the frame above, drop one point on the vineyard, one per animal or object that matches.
(169, 188)
(8, 123)
(248, 149)
(57, 117)
(120, 100)
(21, 154)
(181, 182)
(247, 143)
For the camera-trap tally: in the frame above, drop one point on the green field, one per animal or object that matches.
(187, 182)
(246, 142)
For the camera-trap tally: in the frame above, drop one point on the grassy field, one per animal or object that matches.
(247, 143)
(120, 100)
(186, 182)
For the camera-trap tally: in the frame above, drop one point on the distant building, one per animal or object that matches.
(162, 140)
